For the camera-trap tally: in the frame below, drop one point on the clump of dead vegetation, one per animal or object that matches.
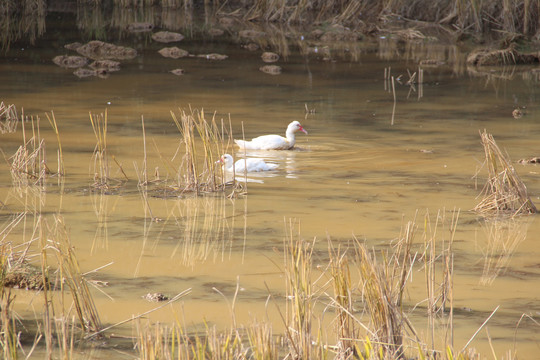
(8, 118)
(203, 141)
(504, 192)
(508, 56)
(29, 164)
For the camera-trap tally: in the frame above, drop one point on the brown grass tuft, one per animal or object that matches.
(504, 192)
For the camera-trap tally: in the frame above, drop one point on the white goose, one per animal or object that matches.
(240, 166)
(273, 142)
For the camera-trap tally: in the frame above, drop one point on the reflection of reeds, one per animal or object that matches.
(100, 204)
(8, 329)
(503, 236)
(504, 191)
(8, 118)
(207, 228)
(21, 19)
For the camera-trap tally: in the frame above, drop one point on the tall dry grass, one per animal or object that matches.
(204, 142)
(71, 276)
(303, 334)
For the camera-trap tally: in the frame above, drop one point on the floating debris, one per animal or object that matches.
(173, 52)
(155, 297)
(25, 276)
(178, 72)
(99, 50)
(269, 57)
(517, 113)
(82, 73)
(489, 57)
(213, 56)
(271, 69)
(140, 27)
(70, 61)
(534, 160)
(167, 36)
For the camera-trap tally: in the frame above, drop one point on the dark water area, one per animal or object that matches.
(368, 166)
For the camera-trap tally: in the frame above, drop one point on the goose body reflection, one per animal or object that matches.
(245, 165)
(273, 142)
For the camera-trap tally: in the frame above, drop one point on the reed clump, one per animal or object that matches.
(8, 118)
(71, 276)
(383, 285)
(29, 164)
(204, 141)
(301, 296)
(504, 192)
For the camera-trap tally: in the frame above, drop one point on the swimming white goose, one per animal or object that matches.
(252, 164)
(273, 142)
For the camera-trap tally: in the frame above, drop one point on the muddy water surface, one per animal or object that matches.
(364, 170)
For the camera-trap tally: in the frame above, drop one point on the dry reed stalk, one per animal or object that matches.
(65, 336)
(504, 192)
(100, 156)
(70, 275)
(347, 331)
(9, 340)
(28, 164)
(439, 288)
(298, 264)
(153, 342)
(8, 328)
(52, 121)
(382, 287)
(199, 172)
(262, 345)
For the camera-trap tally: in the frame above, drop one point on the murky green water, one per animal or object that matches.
(363, 171)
